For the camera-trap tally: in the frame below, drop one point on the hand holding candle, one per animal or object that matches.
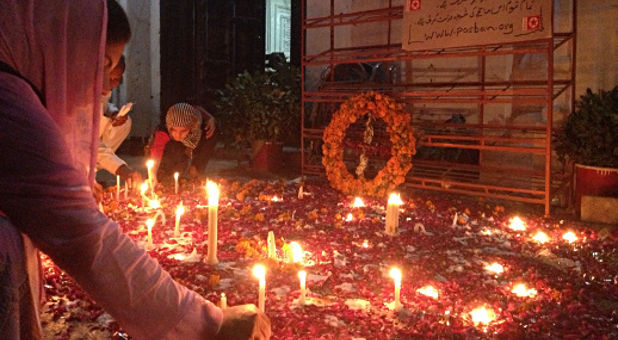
(260, 273)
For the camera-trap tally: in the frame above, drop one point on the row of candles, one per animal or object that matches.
(480, 315)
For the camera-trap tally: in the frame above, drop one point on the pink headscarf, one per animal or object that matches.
(58, 46)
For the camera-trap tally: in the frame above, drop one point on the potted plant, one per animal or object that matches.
(589, 137)
(261, 110)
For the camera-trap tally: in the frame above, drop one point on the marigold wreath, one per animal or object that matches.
(401, 136)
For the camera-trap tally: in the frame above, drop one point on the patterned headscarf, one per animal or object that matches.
(185, 115)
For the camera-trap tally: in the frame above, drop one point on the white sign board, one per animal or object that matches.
(437, 24)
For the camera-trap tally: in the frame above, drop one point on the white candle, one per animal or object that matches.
(213, 208)
(396, 275)
(175, 183)
(117, 188)
(142, 189)
(223, 301)
(101, 207)
(149, 225)
(260, 273)
(392, 214)
(179, 211)
(272, 248)
(300, 192)
(296, 252)
(126, 190)
(151, 182)
(455, 220)
(302, 276)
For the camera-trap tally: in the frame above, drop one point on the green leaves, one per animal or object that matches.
(590, 133)
(261, 105)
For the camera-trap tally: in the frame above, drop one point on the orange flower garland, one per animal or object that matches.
(401, 137)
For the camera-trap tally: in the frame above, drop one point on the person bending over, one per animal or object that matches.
(184, 142)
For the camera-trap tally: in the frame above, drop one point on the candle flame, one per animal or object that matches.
(366, 244)
(180, 209)
(395, 199)
(143, 188)
(358, 203)
(213, 193)
(176, 176)
(428, 291)
(260, 273)
(349, 217)
(495, 268)
(522, 291)
(149, 224)
(570, 237)
(297, 252)
(541, 237)
(395, 273)
(517, 224)
(482, 315)
(154, 204)
(276, 199)
(149, 164)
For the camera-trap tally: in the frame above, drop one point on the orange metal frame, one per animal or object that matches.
(536, 186)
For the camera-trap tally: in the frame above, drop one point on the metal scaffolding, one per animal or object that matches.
(470, 152)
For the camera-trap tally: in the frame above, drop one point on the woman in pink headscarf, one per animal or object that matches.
(52, 64)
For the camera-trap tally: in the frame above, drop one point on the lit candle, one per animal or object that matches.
(117, 188)
(213, 208)
(176, 183)
(349, 217)
(149, 225)
(517, 224)
(522, 291)
(154, 204)
(179, 211)
(396, 275)
(142, 189)
(358, 203)
(297, 252)
(302, 276)
(223, 301)
(101, 207)
(260, 273)
(126, 190)
(569, 236)
(482, 315)
(272, 249)
(428, 291)
(495, 268)
(392, 214)
(541, 237)
(151, 181)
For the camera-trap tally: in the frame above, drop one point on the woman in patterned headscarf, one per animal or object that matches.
(184, 142)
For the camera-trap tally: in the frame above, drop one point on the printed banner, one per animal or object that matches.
(437, 24)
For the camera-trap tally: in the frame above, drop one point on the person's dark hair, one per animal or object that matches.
(118, 27)
(121, 63)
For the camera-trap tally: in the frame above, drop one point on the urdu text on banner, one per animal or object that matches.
(437, 24)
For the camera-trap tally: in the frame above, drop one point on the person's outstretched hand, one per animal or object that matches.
(244, 322)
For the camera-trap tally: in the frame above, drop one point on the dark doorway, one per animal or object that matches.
(205, 43)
